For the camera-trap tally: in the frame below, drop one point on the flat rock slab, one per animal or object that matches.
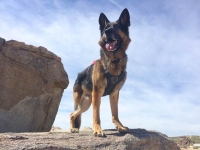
(137, 139)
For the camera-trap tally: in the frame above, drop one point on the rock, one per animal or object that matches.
(86, 129)
(32, 81)
(137, 139)
(57, 129)
(186, 141)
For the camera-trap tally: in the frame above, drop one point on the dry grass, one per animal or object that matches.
(189, 148)
(186, 142)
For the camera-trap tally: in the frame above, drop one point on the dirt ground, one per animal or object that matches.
(189, 148)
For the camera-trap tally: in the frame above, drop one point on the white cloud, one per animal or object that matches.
(162, 89)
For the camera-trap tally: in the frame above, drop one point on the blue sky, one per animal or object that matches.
(162, 91)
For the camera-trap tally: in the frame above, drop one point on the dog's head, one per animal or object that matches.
(114, 35)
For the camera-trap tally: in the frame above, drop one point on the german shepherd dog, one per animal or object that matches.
(104, 77)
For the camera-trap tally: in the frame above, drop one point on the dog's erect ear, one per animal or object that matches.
(103, 20)
(124, 18)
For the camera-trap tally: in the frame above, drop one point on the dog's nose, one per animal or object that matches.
(108, 31)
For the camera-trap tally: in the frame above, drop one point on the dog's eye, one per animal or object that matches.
(116, 27)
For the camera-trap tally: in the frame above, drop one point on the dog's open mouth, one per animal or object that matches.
(111, 45)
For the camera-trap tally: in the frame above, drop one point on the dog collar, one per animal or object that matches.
(115, 61)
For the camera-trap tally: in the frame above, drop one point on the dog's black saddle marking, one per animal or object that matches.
(85, 78)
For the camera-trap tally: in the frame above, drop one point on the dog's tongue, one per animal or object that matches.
(110, 45)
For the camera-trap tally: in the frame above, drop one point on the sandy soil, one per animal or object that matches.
(189, 148)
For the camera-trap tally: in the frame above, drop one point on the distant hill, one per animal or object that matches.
(185, 141)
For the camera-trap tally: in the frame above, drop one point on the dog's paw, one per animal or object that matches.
(122, 129)
(98, 132)
(74, 130)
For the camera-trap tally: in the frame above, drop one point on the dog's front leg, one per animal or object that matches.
(114, 108)
(96, 100)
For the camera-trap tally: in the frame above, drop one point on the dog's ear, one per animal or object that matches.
(103, 20)
(124, 18)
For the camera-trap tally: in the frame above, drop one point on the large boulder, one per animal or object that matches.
(32, 81)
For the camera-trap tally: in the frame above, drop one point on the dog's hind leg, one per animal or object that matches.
(82, 106)
(78, 121)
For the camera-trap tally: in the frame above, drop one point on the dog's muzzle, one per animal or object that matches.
(110, 39)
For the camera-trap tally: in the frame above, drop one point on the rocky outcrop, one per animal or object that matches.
(32, 81)
(186, 141)
(137, 139)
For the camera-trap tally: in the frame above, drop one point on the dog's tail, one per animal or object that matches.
(78, 121)
(78, 118)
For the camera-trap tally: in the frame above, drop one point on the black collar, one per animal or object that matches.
(117, 60)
